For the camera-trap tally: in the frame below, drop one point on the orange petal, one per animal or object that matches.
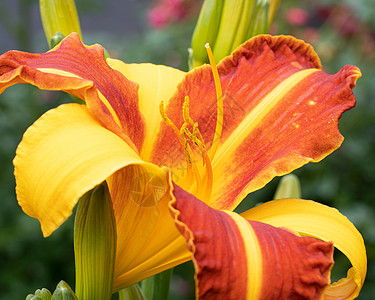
(239, 259)
(83, 72)
(280, 112)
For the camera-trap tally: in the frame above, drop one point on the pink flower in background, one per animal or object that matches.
(297, 16)
(165, 12)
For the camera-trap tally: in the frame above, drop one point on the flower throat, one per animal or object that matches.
(199, 172)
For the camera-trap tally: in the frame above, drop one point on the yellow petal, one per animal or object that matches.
(328, 224)
(63, 155)
(157, 244)
(156, 84)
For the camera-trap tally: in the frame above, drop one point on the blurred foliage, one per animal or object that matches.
(342, 32)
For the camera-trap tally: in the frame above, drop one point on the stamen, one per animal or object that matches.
(185, 110)
(192, 171)
(202, 187)
(170, 123)
(219, 96)
(197, 138)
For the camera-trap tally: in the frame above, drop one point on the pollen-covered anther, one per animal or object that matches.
(189, 134)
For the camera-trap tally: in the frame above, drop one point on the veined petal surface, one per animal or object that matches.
(316, 220)
(280, 112)
(239, 259)
(83, 72)
(63, 155)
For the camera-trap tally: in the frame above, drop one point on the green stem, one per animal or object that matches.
(157, 286)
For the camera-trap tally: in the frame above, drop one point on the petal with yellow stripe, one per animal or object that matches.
(280, 111)
(239, 259)
(83, 72)
(313, 219)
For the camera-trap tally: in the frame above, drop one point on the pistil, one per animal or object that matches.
(220, 104)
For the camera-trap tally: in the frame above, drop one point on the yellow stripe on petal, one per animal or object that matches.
(253, 255)
(58, 72)
(328, 224)
(255, 117)
(63, 155)
(280, 111)
(218, 250)
(239, 259)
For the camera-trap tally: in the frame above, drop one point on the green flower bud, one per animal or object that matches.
(226, 26)
(33, 297)
(205, 30)
(273, 5)
(234, 25)
(132, 292)
(289, 187)
(56, 39)
(63, 292)
(95, 244)
(59, 16)
(44, 294)
(259, 21)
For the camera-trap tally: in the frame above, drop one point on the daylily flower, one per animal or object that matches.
(278, 112)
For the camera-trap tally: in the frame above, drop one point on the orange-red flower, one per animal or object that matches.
(279, 111)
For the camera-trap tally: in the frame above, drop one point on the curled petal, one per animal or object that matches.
(63, 155)
(83, 72)
(148, 241)
(280, 112)
(239, 259)
(66, 153)
(316, 220)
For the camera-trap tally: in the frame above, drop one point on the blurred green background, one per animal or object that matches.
(342, 32)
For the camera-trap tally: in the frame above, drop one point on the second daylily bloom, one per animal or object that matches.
(278, 112)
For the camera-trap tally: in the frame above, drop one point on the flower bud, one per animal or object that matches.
(132, 292)
(226, 26)
(56, 39)
(33, 297)
(235, 21)
(63, 292)
(289, 187)
(263, 15)
(59, 16)
(95, 240)
(206, 30)
(42, 294)
(259, 21)
(273, 5)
